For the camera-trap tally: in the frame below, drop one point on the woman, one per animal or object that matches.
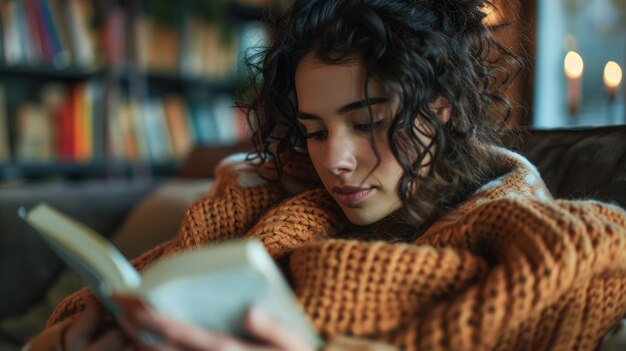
(379, 188)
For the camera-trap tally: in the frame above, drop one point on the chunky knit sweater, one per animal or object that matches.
(509, 269)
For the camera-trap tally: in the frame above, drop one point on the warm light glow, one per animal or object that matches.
(573, 65)
(612, 74)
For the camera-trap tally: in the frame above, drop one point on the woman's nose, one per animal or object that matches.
(340, 155)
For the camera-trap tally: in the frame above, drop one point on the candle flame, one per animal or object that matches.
(573, 65)
(612, 74)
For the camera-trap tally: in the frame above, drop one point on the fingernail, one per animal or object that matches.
(258, 316)
(150, 339)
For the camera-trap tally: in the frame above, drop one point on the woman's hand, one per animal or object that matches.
(156, 331)
(87, 330)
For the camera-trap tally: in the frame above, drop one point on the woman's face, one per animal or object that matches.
(333, 110)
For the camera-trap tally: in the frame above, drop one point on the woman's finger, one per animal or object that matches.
(111, 340)
(156, 331)
(83, 327)
(73, 334)
(267, 329)
(51, 339)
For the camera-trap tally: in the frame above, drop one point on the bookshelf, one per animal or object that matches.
(119, 88)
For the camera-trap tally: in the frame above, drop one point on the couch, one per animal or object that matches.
(137, 214)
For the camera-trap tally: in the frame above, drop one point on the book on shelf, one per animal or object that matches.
(211, 287)
(5, 150)
(56, 35)
(79, 14)
(35, 30)
(28, 39)
(223, 113)
(50, 32)
(34, 138)
(65, 126)
(176, 115)
(208, 50)
(116, 141)
(83, 123)
(115, 37)
(134, 122)
(155, 126)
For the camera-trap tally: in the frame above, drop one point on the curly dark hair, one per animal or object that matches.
(418, 50)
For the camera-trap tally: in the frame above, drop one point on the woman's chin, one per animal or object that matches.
(362, 217)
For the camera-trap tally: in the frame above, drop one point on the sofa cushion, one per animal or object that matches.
(157, 217)
(587, 163)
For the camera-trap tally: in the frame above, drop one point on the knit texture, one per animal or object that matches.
(509, 269)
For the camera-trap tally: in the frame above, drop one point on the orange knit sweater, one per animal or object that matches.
(510, 269)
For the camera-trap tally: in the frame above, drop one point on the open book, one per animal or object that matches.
(211, 287)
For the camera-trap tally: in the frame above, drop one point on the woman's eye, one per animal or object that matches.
(370, 126)
(321, 135)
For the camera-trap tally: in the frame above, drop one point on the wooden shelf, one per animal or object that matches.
(96, 169)
(46, 72)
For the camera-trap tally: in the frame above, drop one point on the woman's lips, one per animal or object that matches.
(350, 196)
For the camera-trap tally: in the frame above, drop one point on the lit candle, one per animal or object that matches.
(573, 67)
(612, 78)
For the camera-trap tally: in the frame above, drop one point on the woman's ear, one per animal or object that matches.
(441, 107)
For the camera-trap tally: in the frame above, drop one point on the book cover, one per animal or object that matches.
(211, 287)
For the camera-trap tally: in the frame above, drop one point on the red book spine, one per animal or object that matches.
(36, 30)
(65, 136)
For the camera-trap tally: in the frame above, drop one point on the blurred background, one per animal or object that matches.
(122, 88)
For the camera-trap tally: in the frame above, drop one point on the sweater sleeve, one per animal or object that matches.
(504, 275)
(371, 289)
(557, 279)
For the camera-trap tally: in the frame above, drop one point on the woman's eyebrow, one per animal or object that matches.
(346, 108)
(361, 104)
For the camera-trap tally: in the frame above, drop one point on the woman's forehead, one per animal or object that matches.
(331, 85)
